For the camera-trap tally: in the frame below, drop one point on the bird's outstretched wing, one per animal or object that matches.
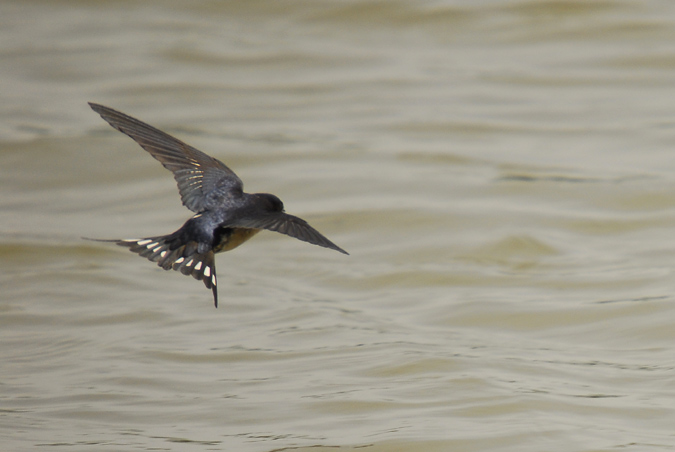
(290, 225)
(202, 180)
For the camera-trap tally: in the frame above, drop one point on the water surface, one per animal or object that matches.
(501, 172)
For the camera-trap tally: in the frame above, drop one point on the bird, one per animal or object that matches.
(224, 215)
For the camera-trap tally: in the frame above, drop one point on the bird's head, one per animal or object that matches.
(272, 203)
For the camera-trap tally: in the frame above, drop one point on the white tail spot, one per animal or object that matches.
(163, 253)
(179, 260)
(198, 266)
(207, 271)
(142, 242)
(157, 249)
(150, 245)
(189, 263)
(213, 280)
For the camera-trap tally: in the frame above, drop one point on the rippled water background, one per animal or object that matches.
(502, 172)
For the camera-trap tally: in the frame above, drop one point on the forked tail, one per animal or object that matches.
(170, 252)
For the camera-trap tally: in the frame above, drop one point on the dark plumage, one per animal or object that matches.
(225, 216)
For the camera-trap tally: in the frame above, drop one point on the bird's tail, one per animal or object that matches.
(170, 252)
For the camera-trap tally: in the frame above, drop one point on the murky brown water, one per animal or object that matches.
(502, 173)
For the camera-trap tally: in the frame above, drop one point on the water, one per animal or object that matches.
(500, 171)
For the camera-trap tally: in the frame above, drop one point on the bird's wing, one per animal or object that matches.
(202, 180)
(289, 225)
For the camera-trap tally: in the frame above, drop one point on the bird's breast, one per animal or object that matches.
(230, 238)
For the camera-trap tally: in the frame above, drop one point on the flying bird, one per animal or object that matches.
(225, 216)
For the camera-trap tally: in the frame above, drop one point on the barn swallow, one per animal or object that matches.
(225, 216)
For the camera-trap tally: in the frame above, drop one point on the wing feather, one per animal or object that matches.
(290, 225)
(202, 180)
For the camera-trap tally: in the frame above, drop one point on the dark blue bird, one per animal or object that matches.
(225, 216)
